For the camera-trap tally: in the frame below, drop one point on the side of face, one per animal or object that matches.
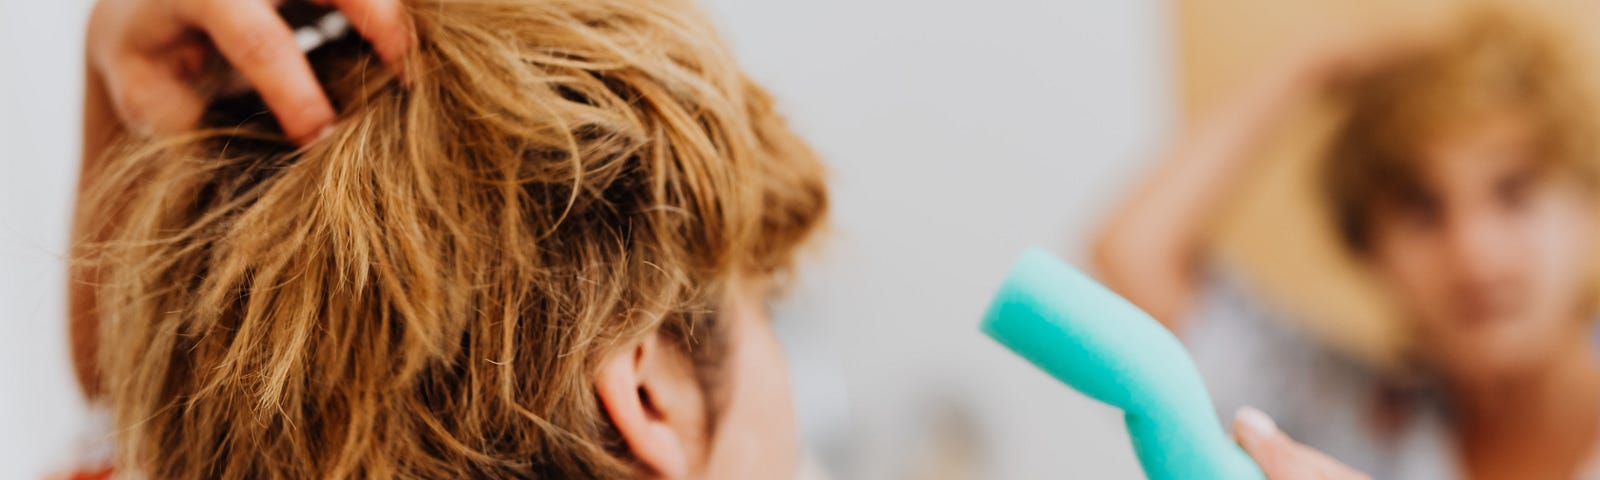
(652, 395)
(1492, 261)
(756, 435)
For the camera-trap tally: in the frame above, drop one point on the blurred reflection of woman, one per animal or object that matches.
(1463, 180)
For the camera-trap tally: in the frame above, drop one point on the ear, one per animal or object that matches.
(651, 393)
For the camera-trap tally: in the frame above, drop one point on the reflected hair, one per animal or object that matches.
(1493, 62)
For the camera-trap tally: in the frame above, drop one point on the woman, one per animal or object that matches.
(1463, 181)
(643, 410)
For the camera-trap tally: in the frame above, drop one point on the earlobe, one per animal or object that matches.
(631, 389)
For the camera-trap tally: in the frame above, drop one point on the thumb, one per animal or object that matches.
(1277, 455)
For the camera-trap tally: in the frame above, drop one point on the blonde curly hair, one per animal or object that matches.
(1494, 61)
(425, 292)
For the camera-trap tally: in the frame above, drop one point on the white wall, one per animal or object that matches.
(958, 133)
(41, 64)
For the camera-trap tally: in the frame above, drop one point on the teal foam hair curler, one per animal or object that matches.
(1100, 344)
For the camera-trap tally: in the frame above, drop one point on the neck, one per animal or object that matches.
(1569, 381)
(1542, 417)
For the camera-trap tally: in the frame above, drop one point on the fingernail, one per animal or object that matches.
(1256, 421)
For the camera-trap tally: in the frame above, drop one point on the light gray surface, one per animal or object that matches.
(41, 64)
(958, 133)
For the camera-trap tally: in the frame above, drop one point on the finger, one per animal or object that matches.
(385, 24)
(1279, 457)
(1328, 468)
(150, 97)
(259, 44)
